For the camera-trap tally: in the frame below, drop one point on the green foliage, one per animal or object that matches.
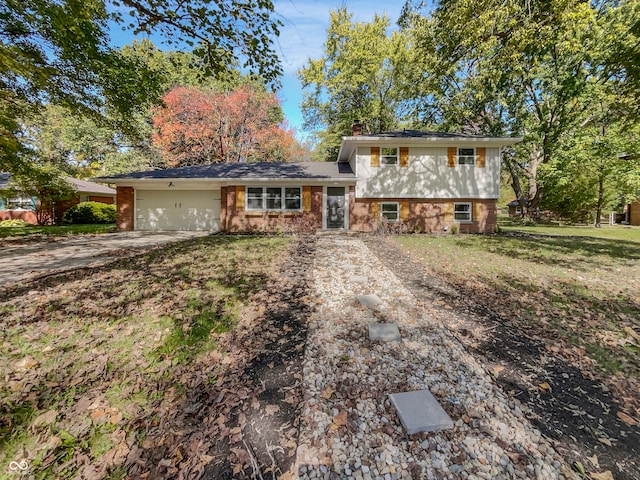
(359, 77)
(537, 70)
(90, 212)
(14, 224)
(58, 52)
(48, 184)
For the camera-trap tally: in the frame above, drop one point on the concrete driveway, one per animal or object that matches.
(30, 260)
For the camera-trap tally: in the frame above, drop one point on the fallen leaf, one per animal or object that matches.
(604, 440)
(341, 418)
(632, 333)
(606, 475)
(496, 370)
(271, 409)
(46, 418)
(626, 418)
(594, 461)
(327, 392)
(26, 363)
(544, 387)
(286, 476)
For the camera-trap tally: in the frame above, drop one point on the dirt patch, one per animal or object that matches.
(572, 404)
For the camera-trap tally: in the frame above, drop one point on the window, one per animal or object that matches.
(20, 203)
(390, 211)
(389, 156)
(254, 198)
(292, 198)
(466, 156)
(274, 198)
(462, 212)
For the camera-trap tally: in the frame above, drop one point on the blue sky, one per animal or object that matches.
(303, 35)
(301, 38)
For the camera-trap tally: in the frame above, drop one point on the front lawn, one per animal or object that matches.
(611, 232)
(55, 230)
(96, 364)
(579, 295)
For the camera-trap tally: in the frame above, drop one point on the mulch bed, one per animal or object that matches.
(570, 405)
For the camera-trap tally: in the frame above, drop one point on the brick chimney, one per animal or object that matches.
(356, 128)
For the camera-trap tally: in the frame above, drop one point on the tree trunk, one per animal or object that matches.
(535, 190)
(600, 204)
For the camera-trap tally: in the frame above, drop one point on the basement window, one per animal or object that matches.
(390, 211)
(462, 212)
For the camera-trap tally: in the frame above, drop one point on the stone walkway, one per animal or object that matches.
(349, 429)
(26, 261)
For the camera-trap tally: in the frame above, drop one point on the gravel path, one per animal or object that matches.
(349, 428)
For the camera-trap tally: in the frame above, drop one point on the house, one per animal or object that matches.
(631, 213)
(425, 181)
(515, 209)
(23, 207)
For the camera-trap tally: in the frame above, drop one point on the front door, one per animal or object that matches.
(335, 207)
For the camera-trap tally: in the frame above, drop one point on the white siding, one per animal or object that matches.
(196, 210)
(428, 176)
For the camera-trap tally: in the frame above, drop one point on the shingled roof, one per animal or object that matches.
(258, 170)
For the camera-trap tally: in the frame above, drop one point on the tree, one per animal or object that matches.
(590, 174)
(57, 51)
(48, 185)
(511, 68)
(359, 77)
(205, 126)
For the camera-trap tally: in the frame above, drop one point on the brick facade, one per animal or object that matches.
(424, 215)
(125, 210)
(234, 218)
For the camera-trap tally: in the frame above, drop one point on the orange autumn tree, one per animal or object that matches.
(197, 126)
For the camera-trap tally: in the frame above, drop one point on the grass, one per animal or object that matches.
(102, 348)
(607, 232)
(579, 291)
(56, 230)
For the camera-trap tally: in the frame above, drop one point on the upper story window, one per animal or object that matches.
(274, 198)
(389, 156)
(466, 156)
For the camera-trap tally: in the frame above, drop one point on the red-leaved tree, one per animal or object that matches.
(198, 127)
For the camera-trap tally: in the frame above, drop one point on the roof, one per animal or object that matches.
(257, 170)
(90, 187)
(79, 185)
(421, 137)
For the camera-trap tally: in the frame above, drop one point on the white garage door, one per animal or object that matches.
(178, 210)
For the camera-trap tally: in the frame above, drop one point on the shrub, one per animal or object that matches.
(14, 223)
(90, 212)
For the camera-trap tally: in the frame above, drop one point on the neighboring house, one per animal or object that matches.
(23, 207)
(631, 213)
(515, 209)
(424, 180)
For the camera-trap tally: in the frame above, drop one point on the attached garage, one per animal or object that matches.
(194, 210)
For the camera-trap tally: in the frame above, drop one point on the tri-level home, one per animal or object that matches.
(420, 181)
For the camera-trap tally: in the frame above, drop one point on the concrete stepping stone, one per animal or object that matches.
(419, 411)
(369, 301)
(384, 332)
(358, 279)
